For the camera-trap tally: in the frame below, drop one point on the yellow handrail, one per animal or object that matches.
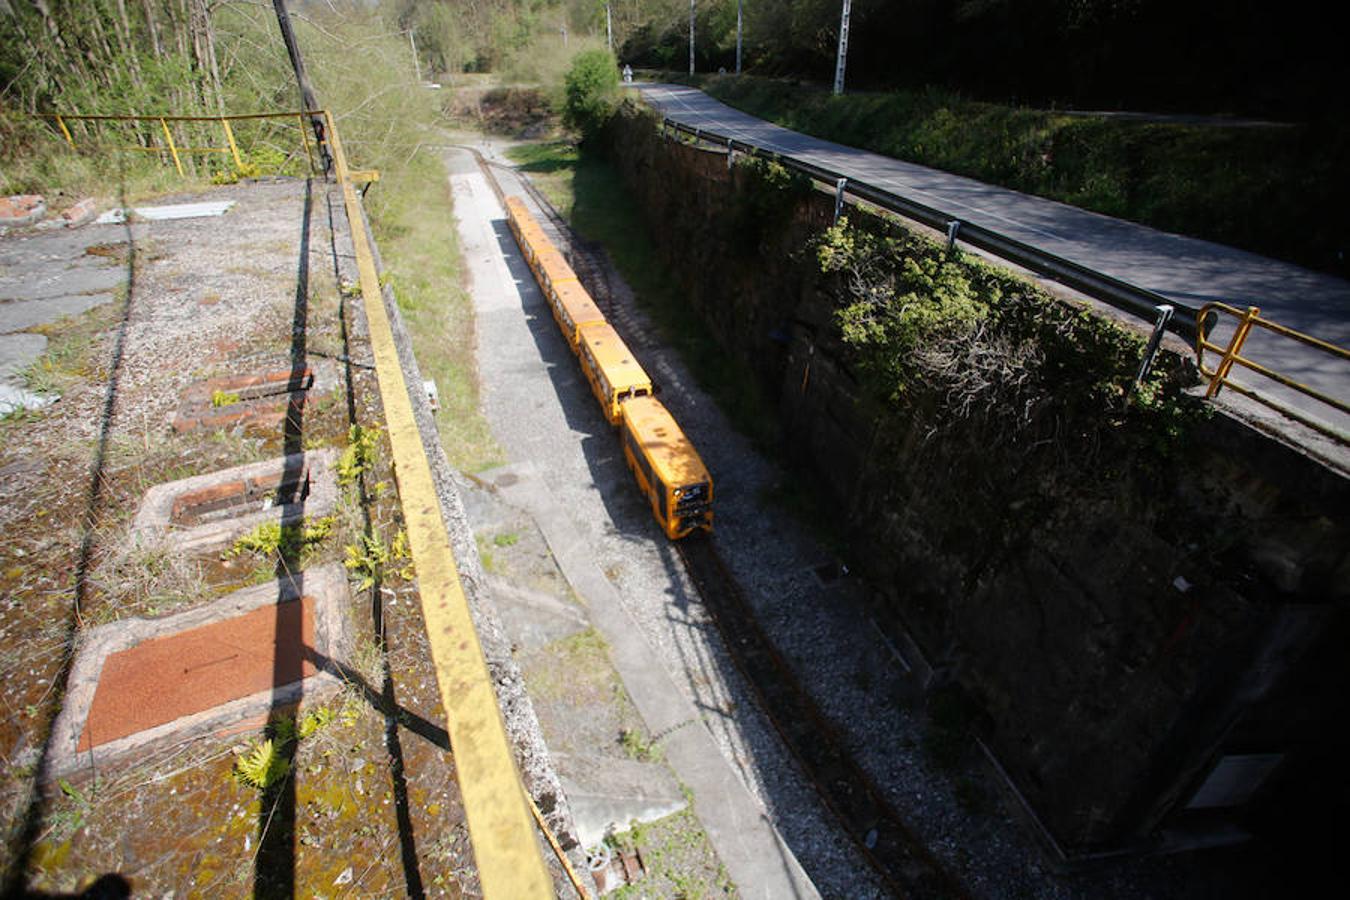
(1231, 355)
(500, 828)
(172, 146)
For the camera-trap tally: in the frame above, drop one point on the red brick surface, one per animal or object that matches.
(166, 678)
(21, 209)
(208, 499)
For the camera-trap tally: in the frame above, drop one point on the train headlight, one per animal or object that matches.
(679, 491)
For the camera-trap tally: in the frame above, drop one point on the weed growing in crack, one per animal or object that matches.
(288, 540)
(264, 764)
(359, 456)
(223, 398)
(367, 559)
(639, 747)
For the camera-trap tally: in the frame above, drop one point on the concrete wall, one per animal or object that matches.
(1121, 616)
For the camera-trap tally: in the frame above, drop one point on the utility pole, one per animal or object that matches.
(609, 29)
(691, 37)
(843, 50)
(307, 99)
(738, 36)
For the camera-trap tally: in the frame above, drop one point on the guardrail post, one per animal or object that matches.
(953, 229)
(229, 136)
(66, 131)
(168, 136)
(839, 197)
(1234, 347)
(1151, 350)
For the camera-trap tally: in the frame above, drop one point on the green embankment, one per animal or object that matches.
(1275, 190)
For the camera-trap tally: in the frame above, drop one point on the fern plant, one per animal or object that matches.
(359, 456)
(262, 766)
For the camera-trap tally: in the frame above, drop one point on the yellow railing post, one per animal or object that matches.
(66, 131)
(304, 139)
(1234, 348)
(229, 136)
(172, 148)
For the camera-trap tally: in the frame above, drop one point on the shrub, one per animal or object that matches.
(590, 89)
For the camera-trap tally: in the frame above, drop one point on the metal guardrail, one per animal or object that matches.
(1127, 297)
(1231, 356)
(1162, 313)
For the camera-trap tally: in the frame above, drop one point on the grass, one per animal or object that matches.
(74, 352)
(412, 214)
(591, 195)
(679, 860)
(1240, 186)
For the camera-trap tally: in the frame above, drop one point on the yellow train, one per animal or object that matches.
(668, 469)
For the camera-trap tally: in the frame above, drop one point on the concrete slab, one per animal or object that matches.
(18, 352)
(164, 213)
(208, 512)
(20, 315)
(51, 276)
(608, 795)
(301, 662)
(535, 619)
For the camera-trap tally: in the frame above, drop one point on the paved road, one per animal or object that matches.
(1188, 271)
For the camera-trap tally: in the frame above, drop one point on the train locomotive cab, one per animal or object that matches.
(668, 469)
(614, 374)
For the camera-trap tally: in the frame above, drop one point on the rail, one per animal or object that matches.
(173, 148)
(1192, 324)
(1231, 355)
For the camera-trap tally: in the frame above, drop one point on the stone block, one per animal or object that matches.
(276, 643)
(81, 213)
(209, 512)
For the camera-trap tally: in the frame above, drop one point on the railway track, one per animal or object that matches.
(901, 861)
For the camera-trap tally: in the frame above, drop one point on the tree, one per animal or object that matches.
(590, 88)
